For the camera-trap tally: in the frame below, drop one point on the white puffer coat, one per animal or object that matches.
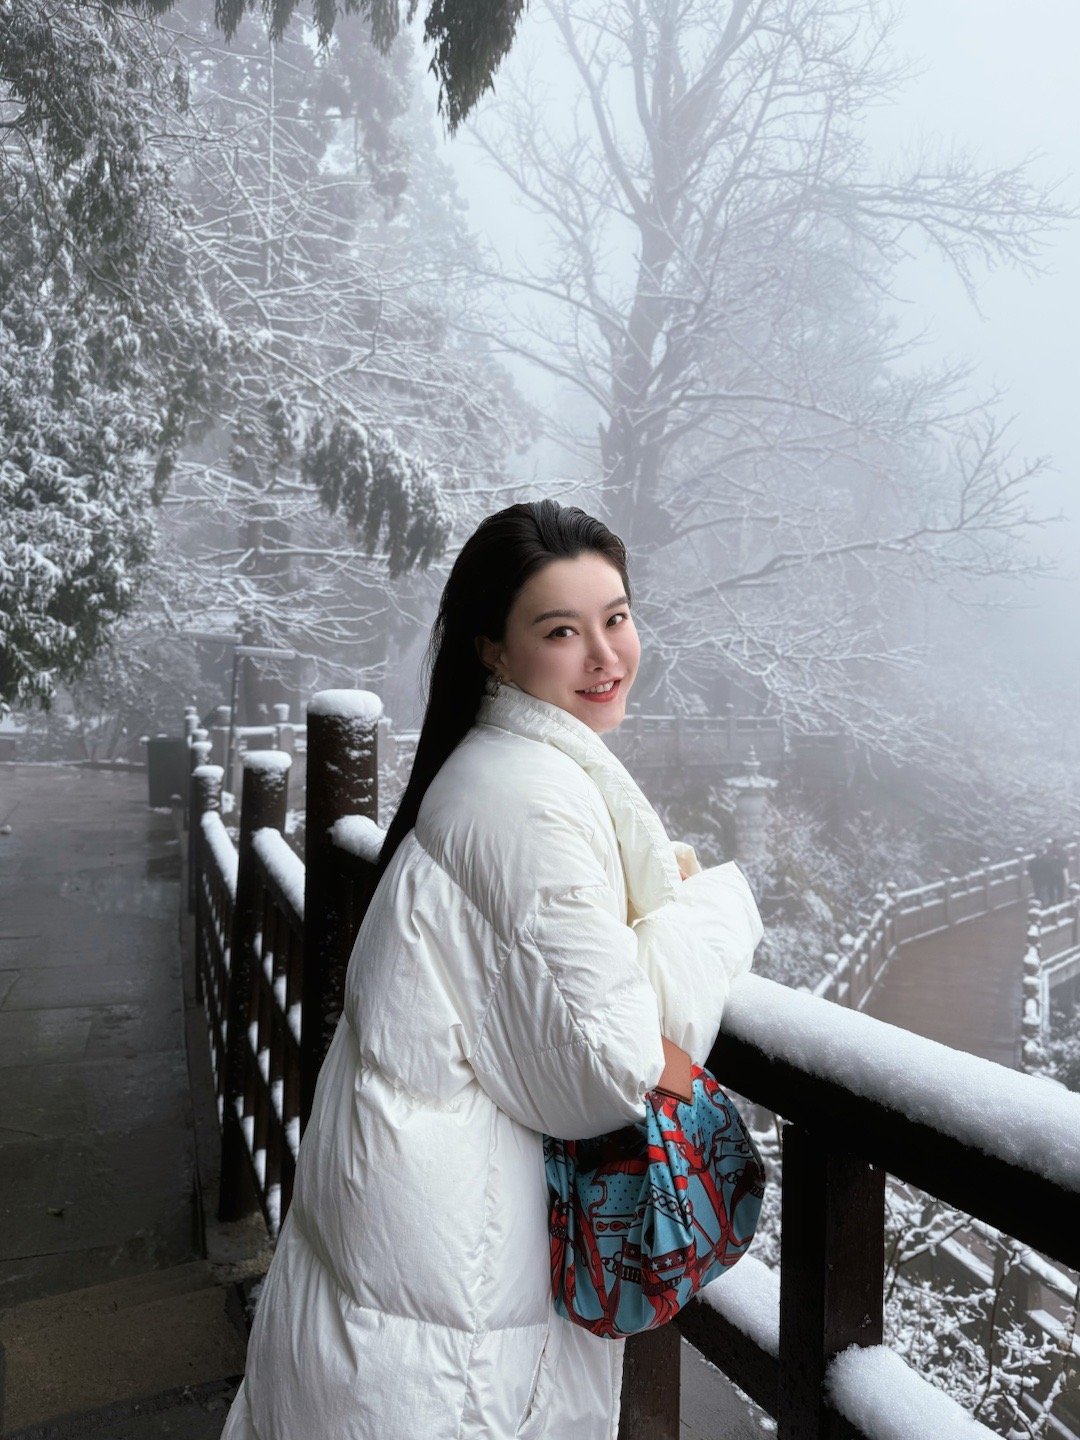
(524, 951)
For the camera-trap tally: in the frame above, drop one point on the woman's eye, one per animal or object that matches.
(555, 634)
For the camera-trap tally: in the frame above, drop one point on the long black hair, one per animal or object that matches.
(502, 553)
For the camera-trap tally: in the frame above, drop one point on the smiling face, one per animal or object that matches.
(568, 631)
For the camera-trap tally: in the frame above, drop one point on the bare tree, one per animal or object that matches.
(717, 286)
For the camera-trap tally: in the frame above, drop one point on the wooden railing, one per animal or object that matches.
(861, 1099)
(865, 1100)
(273, 936)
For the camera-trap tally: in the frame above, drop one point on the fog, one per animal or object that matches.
(1001, 84)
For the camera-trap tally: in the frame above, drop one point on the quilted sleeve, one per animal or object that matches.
(693, 948)
(570, 1041)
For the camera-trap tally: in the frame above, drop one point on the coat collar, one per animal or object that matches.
(649, 863)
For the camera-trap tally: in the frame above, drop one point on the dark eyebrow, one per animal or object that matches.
(574, 614)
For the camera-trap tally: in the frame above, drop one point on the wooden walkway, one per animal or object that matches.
(961, 986)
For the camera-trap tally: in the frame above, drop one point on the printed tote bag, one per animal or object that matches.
(643, 1217)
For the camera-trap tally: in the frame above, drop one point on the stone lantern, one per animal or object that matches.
(751, 801)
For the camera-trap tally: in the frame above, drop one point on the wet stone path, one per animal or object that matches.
(96, 1150)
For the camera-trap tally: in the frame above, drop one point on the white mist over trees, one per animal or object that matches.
(790, 486)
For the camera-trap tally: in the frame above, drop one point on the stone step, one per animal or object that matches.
(190, 1413)
(110, 1344)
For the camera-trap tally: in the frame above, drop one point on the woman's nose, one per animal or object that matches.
(603, 652)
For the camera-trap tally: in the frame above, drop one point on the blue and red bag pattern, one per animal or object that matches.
(643, 1217)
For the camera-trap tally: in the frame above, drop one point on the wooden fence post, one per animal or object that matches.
(650, 1388)
(219, 739)
(199, 751)
(205, 798)
(342, 779)
(263, 801)
(832, 1238)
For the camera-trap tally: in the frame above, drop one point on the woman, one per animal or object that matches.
(528, 947)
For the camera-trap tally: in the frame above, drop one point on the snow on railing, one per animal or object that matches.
(358, 835)
(880, 1394)
(283, 866)
(221, 848)
(863, 1101)
(1025, 1122)
(1058, 925)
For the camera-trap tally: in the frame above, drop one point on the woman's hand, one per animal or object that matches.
(677, 1078)
(687, 859)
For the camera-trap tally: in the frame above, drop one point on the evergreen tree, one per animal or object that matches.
(109, 346)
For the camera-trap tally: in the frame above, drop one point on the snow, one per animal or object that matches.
(748, 1297)
(876, 1391)
(1023, 1119)
(222, 849)
(267, 761)
(347, 705)
(358, 835)
(209, 772)
(1060, 1334)
(283, 863)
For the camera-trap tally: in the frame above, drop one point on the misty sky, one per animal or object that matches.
(999, 78)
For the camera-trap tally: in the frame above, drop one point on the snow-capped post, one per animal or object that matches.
(892, 890)
(263, 801)
(191, 720)
(200, 754)
(832, 1269)
(219, 740)
(1023, 880)
(845, 975)
(833, 971)
(342, 779)
(948, 882)
(205, 798)
(284, 732)
(984, 861)
(1031, 1028)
